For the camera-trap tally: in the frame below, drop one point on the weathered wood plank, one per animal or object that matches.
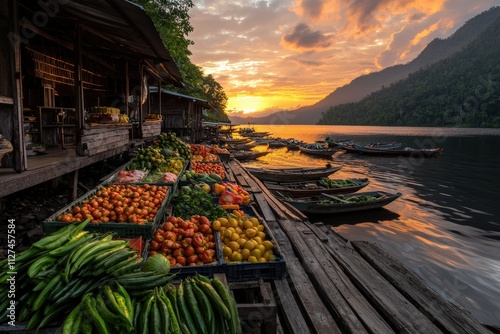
(445, 315)
(292, 315)
(310, 302)
(399, 312)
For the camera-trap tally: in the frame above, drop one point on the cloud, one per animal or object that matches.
(303, 38)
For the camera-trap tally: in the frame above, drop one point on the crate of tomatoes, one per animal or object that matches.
(190, 245)
(128, 210)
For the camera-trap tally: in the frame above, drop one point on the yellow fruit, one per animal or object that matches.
(248, 224)
(235, 256)
(256, 252)
(223, 221)
(234, 237)
(245, 254)
(227, 233)
(261, 228)
(251, 233)
(222, 229)
(261, 259)
(216, 225)
(233, 245)
(261, 248)
(225, 241)
(267, 255)
(261, 235)
(231, 229)
(254, 221)
(268, 244)
(257, 239)
(226, 251)
(233, 222)
(249, 245)
(241, 241)
(238, 230)
(252, 259)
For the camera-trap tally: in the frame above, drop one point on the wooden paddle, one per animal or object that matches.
(336, 198)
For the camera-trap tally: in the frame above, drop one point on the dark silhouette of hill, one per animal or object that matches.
(360, 87)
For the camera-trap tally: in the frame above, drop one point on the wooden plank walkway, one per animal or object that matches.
(335, 286)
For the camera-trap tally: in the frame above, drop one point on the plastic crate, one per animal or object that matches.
(248, 271)
(205, 270)
(124, 230)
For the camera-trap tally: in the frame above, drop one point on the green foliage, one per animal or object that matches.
(462, 90)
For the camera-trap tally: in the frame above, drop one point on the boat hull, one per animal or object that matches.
(311, 205)
(292, 174)
(300, 189)
(322, 152)
(398, 152)
(248, 155)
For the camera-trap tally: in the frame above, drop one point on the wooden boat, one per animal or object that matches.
(243, 146)
(276, 144)
(229, 140)
(315, 188)
(318, 150)
(328, 204)
(292, 174)
(407, 151)
(293, 145)
(349, 146)
(248, 155)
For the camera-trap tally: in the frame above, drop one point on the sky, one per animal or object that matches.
(272, 55)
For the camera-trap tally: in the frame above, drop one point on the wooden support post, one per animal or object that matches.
(79, 108)
(141, 87)
(73, 180)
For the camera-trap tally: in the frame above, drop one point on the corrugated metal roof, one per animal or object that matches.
(203, 103)
(121, 25)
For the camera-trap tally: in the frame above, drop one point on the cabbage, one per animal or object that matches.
(157, 263)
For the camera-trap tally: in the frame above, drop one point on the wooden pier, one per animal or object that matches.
(333, 285)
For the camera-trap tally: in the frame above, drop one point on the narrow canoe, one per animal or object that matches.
(407, 151)
(292, 174)
(321, 205)
(315, 188)
(323, 152)
(248, 155)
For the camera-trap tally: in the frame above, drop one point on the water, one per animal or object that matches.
(445, 227)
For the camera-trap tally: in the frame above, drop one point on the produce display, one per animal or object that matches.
(185, 242)
(189, 175)
(188, 202)
(201, 153)
(88, 282)
(130, 176)
(209, 168)
(230, 194)
(148, 158)
(157, 176)
(218, 150)
(329, 183)
(172, 142)
(121, 203)
(244, 239)
(153, 117)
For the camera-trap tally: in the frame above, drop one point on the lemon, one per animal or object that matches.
(241, 242)
(223, 221)
(222, 229)
(267, 255)
(261, 235)
(233, 222)
(245, 254)
(226, 251)
(254, 221)
(252, 259)
(227, 233)
(233, 245)
(268, 244)
(225, 241)
(257, 239)
(249, 245)
(261, 248)
(231, 229)
(216, 225)
(250, 233)
(261, 259)
(256, 252)
(234, 237)
(248, 224)
(261, 228)
(238, 230)
(235, 256)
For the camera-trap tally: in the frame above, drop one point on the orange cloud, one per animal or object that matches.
(426, 32)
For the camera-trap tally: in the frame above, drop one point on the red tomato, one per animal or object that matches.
(199, 240)
(199, 250)
(173, 220)
(204, 228)
(173, 261)
(153, 252)
(186, 242)
(178, 252)
(181, 260)
(188, 251)
(183, 225)
(211, 245)
(204, 220)
(168, 226)
(170, 236)
(205, 257)
(155, 245)
(193, 259)
(158, 238)
(189, 232)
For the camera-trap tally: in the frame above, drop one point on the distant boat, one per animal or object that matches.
(407, 151)
(248, 155)
(330, 204)
(348, 146)
(243, 146)
(318, 149)
(292, 174)
(229, 140)
(314, 188)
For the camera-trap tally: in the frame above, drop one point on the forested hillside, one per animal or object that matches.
(463, 90)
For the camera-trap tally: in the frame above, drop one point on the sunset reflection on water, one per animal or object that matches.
(445, 225)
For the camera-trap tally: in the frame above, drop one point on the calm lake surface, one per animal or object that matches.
(445, 227)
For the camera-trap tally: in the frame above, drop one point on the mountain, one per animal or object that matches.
(436, 50)
(461, 90)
